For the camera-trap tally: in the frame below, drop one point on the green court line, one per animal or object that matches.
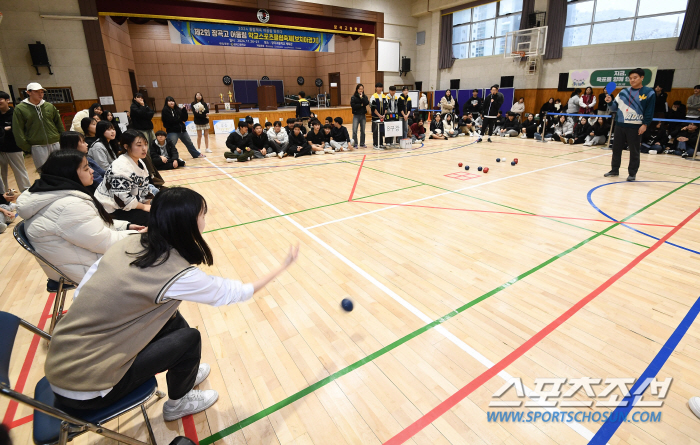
(323, 382)
(501, 205)
(306, 210)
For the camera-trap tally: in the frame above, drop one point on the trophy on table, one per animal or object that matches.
(230, 96)
(221, 96)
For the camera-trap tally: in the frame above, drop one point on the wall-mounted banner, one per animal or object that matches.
(601, 77)
(219, 34)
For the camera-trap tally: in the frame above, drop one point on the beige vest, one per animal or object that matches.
(120, 309)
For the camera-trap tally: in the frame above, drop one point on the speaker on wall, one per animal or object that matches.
(563, 82)
(405, 64)
(507, 81)
(454, 84)
(38, 53)
(419, 85)
(664, 78)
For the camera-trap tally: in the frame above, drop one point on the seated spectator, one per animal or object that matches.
(557, 106)
(164, 154)
(95, 109)
(685, 142)
(316, 138)
(327, 136)
(89, 127)
(678, 112)
(297, 143)
(304, 124)
(290, 125)
(661, 104)
(511, 126)
(108, 116)
(259, 143)
(279, 139)
(63, 220)
(268, 126)
(473, 105)
(449, 128)
(655, 138)
(340, 139)
(436, 129)
(329, 121)
(586, 101)
(466, 124)
(239, 143)
(562, 130)
(498, 124)
(518, 108)
(7, 210)
(125, 191)
(175, 123)
(529, 127)
(599, 132)
(418, 131)
(72, 140)
(694, 104)
(581, 131)
(105, 148)
(124, 319)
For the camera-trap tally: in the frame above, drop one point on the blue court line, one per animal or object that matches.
(590, 201)
(609, 428)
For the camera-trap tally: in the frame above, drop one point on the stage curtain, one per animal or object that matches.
(446, 57)
(556, 21)
(528, 8)
(691, 27)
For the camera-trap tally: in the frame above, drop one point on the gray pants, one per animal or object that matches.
(405, 128)
(339, 146)
(277, 147)
(16, 162)
(40, 153)
(359, 120)
(511, 133)
(595, 140)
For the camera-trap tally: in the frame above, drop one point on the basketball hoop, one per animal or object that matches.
(521, 53)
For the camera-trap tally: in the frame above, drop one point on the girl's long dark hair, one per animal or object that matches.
(111, 146)
(128, 138)
(91, 111)
(357, 89)
(85, 125)
(70, 139)
(169, 99)
(65, 164)
(172, 224)
(195, 98)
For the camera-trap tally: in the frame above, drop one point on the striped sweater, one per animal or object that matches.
(634, 107)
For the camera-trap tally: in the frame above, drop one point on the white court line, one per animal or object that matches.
(577, 427)
(453, 191)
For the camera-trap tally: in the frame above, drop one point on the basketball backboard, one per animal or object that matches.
(526, 43)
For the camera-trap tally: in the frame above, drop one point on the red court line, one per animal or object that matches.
(359, 170)
(24, 372)
(513, 213)
(457, 397)
(20, 422)
(190, 429)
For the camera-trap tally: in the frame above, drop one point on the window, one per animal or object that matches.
(480, 31)
(607, 21)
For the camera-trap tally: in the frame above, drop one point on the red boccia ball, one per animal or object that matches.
(486, 169)
(460, 164)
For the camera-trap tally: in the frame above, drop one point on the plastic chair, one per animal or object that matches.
(60, 287)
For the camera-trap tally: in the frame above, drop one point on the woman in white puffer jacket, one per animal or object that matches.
(63, 221)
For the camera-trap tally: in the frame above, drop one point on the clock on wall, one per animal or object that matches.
(227, 80)
(319, 82)
(300, 80)
(265, 78)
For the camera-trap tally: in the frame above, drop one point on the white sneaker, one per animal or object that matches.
(694, 405)
(231, 160)
(523, 136)
(202, 373)
(280, 154)
(547, 139)
(193, 402)
(330, 151)
(208, 150)
(269, 155)
(506, 135)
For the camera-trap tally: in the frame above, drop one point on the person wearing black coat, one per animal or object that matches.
(259, 144)
(474, 105)
(359, 103)
(510, 127)
(175, 123)
(297, 143)
(141, 116)
(200, 110)
(239, 143)
(581, 131)
(546, 108)
(677, 111)
(684, 144)
(655, 138)
(164, 154)
(529, 127)
(602, 105)
(492, 105)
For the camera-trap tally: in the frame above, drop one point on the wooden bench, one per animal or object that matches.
(237, 105)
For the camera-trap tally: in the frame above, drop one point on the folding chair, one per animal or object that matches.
(60, 287)
(55, 424)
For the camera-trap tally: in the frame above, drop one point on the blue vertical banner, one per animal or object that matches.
(221, 34)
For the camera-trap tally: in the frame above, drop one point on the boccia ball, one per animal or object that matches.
(516, 160)
(460, 164)
(498, 159)
(479, 169)
(503, 159)
(466, 167)
(346, 304)
(512, 162)
(486, 169)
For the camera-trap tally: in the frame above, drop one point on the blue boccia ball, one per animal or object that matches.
(498, 159)
(512, 162)
(346, 304)
(480, 168)
(466, 167)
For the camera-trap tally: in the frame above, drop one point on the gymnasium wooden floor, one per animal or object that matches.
(459, 282)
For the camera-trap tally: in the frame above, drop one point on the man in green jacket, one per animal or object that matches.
(37, 125)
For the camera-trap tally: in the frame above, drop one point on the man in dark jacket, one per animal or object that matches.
(492, 104)
(474, 105)
(164, 154)
(141, 116)
(405, 109)
(239, 143)
(297, 143)
(303, 109)
(661, 104)
(510, 127)
(687, 140)
(259, 143)
(379, 105)
(10, 154)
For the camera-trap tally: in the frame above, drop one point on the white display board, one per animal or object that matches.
(191, 128)
(123, 120)
(415, 97)
(392, 129)
(388, 55)
(224, 126)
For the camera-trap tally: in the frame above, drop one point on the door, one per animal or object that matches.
(334, 85)
(134, 87)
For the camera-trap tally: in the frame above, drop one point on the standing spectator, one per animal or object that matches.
(279, 139)
(200, 110)
(546, 108)
(661, 107)
(108, 116)
(581, 131)
(573, 105)
(518, 108)
(141, 116)
(10, 154)
(423, 105)
(418, 131)
(378, 103)
(599, 132)
(635, 110)
(473, 105)
(492, 106)
(303, 109)
(447, 103)
(586, 101)
(359, 103)
(105, 149)
(175, 123)
(37, 125)
(405, 109)
(95, 109)
(602, 105)
(694, 104)
(529, 127)
(392, 113)
(163, 153)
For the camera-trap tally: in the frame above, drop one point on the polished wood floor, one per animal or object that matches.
(421, 238)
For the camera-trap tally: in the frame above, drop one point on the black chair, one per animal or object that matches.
(60, 287)
(56, 424)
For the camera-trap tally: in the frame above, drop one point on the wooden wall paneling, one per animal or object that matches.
(84, 104)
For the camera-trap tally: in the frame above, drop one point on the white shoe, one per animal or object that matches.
(202, 373)
(208, 150)
(523, 136)
(280, 154)
(269, 155)
(694, 405)
(330, 151)
(319, 152)
(193, 402)
(547, 139)
(506, 135)
(231, 160)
